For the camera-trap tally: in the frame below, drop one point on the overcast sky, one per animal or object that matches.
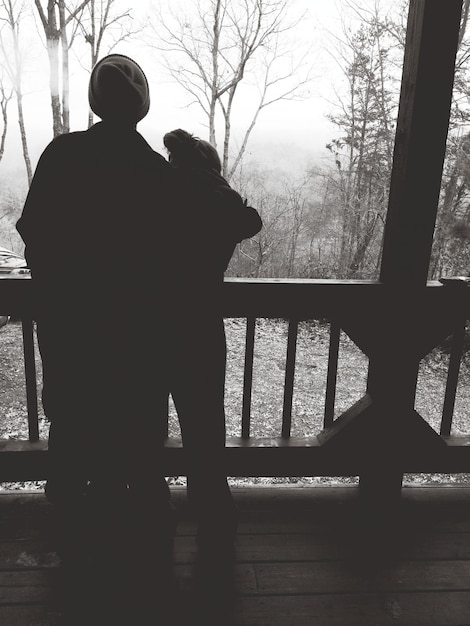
(289, 131)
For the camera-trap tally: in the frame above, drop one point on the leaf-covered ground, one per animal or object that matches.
(268, 383)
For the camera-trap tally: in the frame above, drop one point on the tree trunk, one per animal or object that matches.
(215, 73)
(24, 143)
(226, 145)
(53, 52)
(65, 69)
(4, 106)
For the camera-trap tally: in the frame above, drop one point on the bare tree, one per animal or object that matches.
(451, 245)
(100, 18)
(262, 255)
(365, 113)
(452, 234)
(11, 14)
(226, 45)
(264, 252)
(464, 23)
(288, 209)
(298, 206)
(55, 18)
(5, 97)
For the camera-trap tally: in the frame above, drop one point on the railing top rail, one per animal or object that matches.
(299, 298)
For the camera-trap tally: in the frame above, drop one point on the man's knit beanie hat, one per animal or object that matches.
(118, 90)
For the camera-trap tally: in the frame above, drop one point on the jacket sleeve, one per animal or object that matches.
(242, 221)
(39, 213)
(232, 221)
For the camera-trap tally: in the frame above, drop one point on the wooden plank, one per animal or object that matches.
(320, 547)
(30, 376)
(244, 579)
(426, 93)
(248, 375)
(436, 508)
(330, 395)
(26, 555)
(397, 609)
(444, 498)
(276, 582)
(286, 578)
(282, 298)
(289, 378)
(30, 616)
(311, 590)
(16, 295)
(266, 456)
(27, 587)
(457, 346)
(278, 548)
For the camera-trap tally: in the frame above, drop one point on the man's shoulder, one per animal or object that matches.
(65, 140)
(61, 146)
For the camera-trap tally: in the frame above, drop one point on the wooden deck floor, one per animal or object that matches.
(304, 556)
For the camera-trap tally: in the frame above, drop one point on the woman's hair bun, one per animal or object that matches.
(179, 141)
(189, 151)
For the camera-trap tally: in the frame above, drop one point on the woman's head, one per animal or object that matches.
(185, 150)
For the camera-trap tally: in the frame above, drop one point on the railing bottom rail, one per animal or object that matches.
(22, 460)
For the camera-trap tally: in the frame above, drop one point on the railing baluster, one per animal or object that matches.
(248, 375)
(332, 373)
(452, 378)
(166, 427)
(289, 378)
(30, 377)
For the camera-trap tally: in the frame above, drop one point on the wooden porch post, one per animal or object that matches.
(420, 141)
(420, 145)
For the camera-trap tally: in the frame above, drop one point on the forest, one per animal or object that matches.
(323, 222)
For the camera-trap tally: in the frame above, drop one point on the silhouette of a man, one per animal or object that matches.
(95, 225)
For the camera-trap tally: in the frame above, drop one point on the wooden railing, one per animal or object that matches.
(375, 316)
